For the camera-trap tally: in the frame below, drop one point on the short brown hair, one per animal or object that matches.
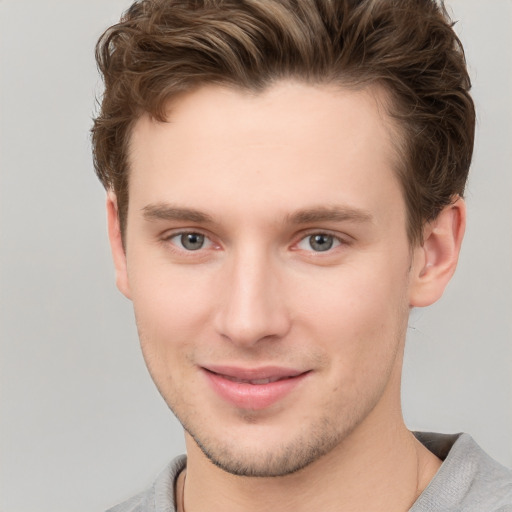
(163, 47)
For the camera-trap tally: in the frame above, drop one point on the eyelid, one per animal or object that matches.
(170, 234)
(167, 236)
(342, 239)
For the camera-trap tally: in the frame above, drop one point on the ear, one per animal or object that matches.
(434, 262)
(116, 245)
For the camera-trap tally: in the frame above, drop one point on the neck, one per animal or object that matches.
(361, 474)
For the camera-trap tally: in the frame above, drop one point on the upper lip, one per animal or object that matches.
(262, 372)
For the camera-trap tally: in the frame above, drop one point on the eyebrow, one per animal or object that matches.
(325, 214)
(164, 211)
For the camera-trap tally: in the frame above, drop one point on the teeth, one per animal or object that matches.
(262, 381)
(254, 381)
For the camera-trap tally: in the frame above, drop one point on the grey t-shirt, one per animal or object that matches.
(467, 481)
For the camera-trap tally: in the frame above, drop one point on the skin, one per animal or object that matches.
(257, 175)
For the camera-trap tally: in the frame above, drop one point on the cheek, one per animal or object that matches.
(166, 293)
(360, 315)
(357, 297)
(171, 310)
(360, 329)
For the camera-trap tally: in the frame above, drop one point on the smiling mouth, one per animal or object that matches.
(261, 375)
(254, 382)
(254, 389)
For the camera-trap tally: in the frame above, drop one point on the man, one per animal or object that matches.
(284, 183)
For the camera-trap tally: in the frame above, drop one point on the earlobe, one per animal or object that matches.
(116, 245)
(435, 260)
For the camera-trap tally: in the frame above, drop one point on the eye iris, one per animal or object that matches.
(192, 241)
(321, 242)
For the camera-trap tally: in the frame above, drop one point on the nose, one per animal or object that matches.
(252, 305)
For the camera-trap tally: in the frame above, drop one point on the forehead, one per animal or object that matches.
(288, 145)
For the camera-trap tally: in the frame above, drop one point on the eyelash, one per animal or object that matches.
(336, 241)
(181, 234)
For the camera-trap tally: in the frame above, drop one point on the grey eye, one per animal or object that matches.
(321, 242)
(191, 241)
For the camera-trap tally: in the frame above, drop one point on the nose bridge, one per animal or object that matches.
(254, 305)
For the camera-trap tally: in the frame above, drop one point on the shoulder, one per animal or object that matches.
(468, 479)
(160, 496)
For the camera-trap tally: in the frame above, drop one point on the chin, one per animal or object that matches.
(266, 455)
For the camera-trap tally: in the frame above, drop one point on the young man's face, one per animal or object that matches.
(269, 266)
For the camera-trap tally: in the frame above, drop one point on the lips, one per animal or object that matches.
(253, 388)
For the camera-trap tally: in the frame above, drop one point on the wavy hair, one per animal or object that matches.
(163, 47)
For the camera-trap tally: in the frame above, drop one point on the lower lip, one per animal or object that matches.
(253, 396)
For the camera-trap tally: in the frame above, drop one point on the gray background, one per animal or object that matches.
(81, 425)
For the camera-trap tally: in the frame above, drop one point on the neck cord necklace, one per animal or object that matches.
(180, 491)
(180, 494)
